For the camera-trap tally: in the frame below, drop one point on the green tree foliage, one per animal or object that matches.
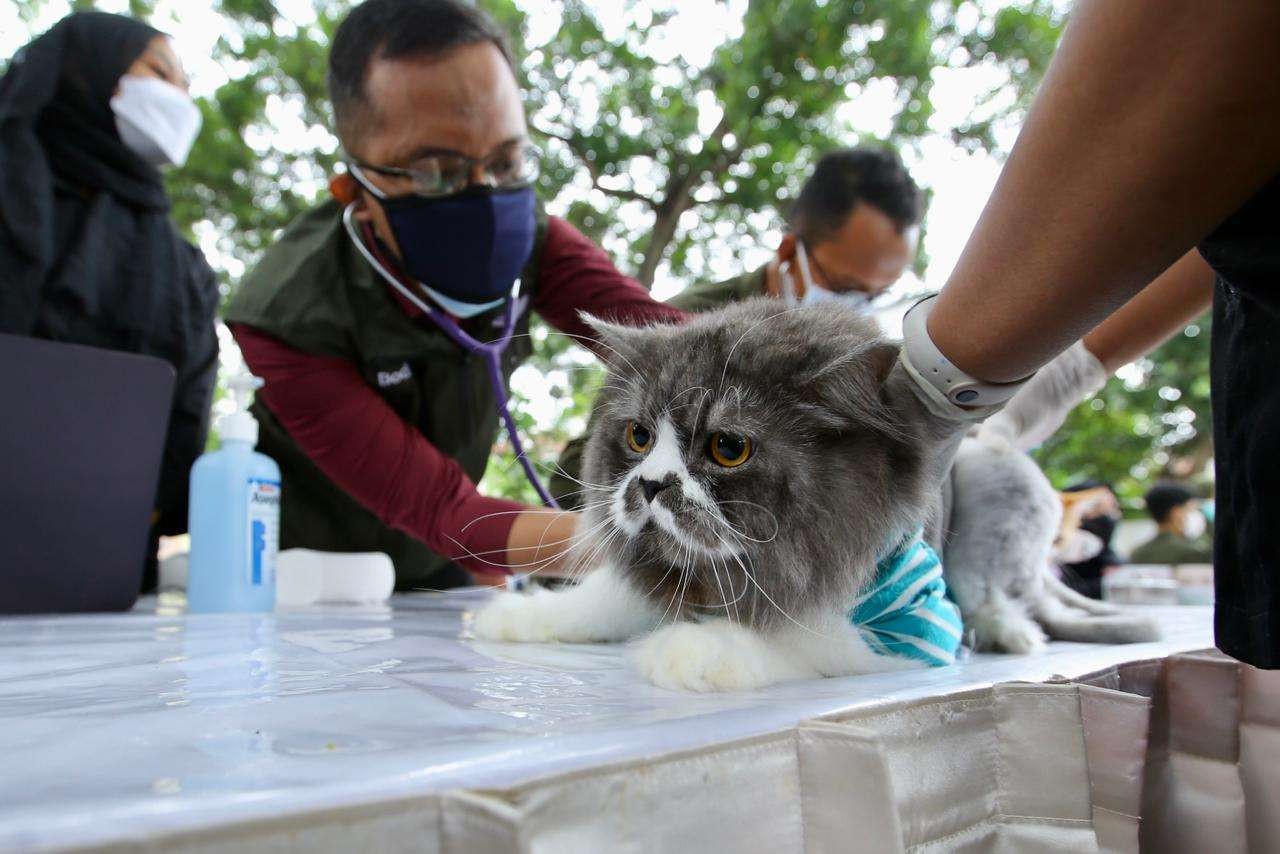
(665, 162)
(1153, 420)
(636, 121)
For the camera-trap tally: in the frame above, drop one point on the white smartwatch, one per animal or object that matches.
(931, 369)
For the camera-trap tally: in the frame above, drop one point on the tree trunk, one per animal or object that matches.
(664, 231)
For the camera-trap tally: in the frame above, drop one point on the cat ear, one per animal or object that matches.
(848, 390)
(620, 346)
(882, 356)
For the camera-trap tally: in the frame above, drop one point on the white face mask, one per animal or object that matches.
(1194, 525)
(812, 293)
(157, 120)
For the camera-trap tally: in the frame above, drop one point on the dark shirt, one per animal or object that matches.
(1244, 251)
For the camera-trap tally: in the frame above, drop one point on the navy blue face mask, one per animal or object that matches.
(467, 250)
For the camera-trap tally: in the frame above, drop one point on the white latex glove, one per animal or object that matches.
(1038, 409)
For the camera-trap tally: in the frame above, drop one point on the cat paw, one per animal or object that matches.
(514, 617)
(715, 656)
(1018, 639)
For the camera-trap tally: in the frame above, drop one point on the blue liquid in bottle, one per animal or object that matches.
(234, 521)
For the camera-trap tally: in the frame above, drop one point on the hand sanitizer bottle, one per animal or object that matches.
(235, 517)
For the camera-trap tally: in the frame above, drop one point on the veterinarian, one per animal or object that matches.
(377, 317)
(90, 113)
(851, 234)
(1153, 135)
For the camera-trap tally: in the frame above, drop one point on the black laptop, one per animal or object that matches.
(82, 431)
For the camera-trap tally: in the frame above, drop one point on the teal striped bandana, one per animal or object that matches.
(905, 610)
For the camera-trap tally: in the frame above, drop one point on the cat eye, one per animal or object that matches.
(639, 439)
(729, 450)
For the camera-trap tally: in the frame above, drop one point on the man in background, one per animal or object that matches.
(1180, 526)
(851, 234)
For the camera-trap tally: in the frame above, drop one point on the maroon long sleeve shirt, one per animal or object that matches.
(361, 444)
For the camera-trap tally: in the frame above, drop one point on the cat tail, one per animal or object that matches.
(1066, 615)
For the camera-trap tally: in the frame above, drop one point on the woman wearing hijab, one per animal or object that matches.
(89, 114)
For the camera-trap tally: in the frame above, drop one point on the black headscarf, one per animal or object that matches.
(88, 254)
(56, 125)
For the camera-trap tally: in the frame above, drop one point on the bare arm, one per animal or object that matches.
(1181, 294)
(543, 541)
(1155, 121)
(1040, 407)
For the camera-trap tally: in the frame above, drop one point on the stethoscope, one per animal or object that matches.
(491, 352)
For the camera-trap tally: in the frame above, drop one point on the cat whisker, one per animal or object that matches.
(556, 468)
(777, 526)
(670, 567)
(779, 608)
(574, 541)
(498, 513)
(729, 578)
(585, 340)
(724, 600)
(581, 566)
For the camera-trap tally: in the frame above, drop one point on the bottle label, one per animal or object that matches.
(264, 531)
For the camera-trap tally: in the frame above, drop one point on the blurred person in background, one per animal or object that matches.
(1097, 512)
(91, 112)
(851, 234)
(1181, 528)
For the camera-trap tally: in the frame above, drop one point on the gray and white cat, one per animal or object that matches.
(998, 547)
(746, 472)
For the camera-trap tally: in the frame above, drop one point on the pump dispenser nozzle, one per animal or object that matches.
(240, 425)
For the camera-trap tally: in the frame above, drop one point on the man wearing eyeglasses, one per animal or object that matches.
(851, 234)
(362, 318)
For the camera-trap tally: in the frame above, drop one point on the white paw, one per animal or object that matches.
(1019, 638)
(515, 617)
(550, 615)
(713, 656)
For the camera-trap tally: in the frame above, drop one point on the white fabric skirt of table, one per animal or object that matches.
(137, 728)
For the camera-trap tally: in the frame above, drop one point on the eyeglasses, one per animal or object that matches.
(833, 284)
(508, 168)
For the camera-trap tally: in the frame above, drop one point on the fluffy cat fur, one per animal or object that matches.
(1005, 519)
(740, 577)
(735, 578)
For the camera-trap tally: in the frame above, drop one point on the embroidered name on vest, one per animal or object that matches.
(399, 375)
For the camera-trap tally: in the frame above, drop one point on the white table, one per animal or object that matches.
(116, 727)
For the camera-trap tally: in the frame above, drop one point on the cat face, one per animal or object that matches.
(750, 462)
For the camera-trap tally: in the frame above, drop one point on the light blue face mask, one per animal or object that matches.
(813, 294)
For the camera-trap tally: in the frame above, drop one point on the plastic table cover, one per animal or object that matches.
(112, 726)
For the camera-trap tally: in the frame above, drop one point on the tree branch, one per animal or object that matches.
(574, 142)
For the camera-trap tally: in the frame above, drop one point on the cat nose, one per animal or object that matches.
(653, 487)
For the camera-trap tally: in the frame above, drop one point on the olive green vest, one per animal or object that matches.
(316, 293)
